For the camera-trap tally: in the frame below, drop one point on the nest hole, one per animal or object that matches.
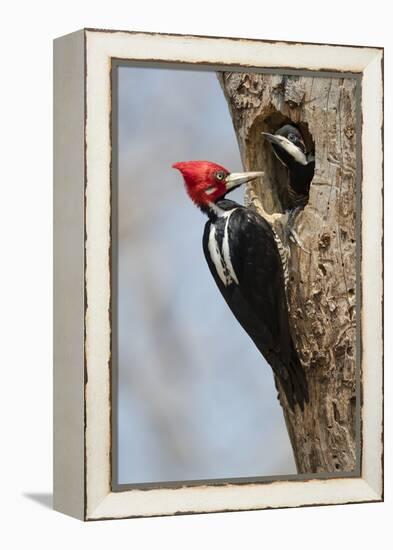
(277, 198)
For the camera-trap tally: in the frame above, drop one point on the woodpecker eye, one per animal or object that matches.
(220, 175)
(296, 140)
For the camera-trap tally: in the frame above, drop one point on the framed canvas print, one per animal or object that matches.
(218, 274)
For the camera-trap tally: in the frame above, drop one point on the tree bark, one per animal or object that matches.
(322, 271)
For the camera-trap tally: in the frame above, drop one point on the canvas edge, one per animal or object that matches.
(97, 507)
(68, 294)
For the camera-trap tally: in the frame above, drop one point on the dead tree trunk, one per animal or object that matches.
(322, 283)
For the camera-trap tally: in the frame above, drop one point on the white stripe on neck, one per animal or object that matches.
(216, 209)
(226, 251)
(216, 255)
(222, 258)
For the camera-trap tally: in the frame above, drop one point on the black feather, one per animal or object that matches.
(258, 301)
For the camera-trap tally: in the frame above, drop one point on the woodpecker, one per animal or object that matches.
(243, 258)
(289, 147)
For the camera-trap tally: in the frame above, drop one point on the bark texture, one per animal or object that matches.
(322, 272)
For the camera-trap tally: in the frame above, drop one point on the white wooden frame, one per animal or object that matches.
(82, 442)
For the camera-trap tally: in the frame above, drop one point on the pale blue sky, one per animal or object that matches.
(196, 399)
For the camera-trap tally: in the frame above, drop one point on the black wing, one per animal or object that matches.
(258, 301)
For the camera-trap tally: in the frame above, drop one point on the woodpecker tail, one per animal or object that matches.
(293, 381)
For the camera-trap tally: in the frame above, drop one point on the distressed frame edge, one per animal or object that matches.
(372, 270)
(233, 38)
(359, 491)
(375, 492)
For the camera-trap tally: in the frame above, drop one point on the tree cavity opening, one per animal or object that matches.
(276, 175)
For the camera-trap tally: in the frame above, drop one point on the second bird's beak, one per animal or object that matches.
(238, 178)
(272, 138)
(287, 146)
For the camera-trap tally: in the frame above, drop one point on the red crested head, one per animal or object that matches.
(207, 182)
(204, 180)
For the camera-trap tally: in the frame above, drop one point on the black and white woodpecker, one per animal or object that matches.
(289, 147)
(242, 255)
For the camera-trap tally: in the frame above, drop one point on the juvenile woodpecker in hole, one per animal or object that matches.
(289, 147)
(242, 255)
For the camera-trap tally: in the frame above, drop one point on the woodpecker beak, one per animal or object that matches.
(238, 178)
(284, 144)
